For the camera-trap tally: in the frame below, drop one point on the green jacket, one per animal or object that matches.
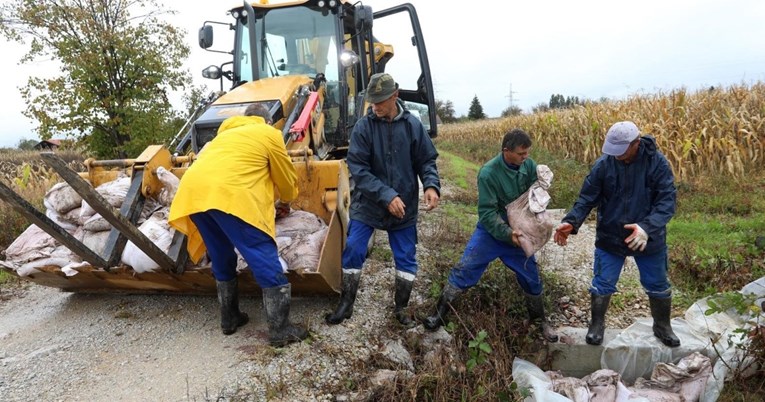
(499, 185)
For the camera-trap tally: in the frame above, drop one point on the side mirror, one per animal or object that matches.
(363, 18)
(205, 36)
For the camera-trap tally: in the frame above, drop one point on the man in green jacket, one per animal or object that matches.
(500, 181)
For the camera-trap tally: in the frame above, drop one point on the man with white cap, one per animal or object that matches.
(633, 188)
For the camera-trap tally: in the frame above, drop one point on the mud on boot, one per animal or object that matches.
(231, 317)
(276, 302)
(598, 308)
(536, 308)
(350, 286)
(661, 310)
(401, 298)
(448, 296)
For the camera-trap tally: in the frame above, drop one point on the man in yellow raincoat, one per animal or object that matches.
(225, 200)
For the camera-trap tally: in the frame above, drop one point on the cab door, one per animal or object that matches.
(409, 65)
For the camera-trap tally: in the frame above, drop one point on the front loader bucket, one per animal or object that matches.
(323, 191)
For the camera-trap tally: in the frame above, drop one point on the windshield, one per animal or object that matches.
(291, 41)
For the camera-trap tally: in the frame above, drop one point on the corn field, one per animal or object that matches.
(715, 131)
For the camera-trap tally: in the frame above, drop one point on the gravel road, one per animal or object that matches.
(60, 346)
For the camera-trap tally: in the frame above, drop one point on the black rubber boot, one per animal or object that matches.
(536, 308)
(344, 310)
(598, 308)
(281, 332)
(448, 296)
(403, 291)
(662, 329)
(231, 317)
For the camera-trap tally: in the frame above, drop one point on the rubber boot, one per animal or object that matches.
(662, 329)
(350, 287)
(536, 308)
(598, 308)
(448, 296)
(231, 317)
(281, 332)
(403, 291)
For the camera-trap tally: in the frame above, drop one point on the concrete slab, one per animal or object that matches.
(572, 356)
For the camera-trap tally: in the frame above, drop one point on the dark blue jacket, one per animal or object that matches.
(641, 192)
(385, 160)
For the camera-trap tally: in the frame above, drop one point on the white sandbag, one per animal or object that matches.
(73, 216)
(59, 257)
(95, 241)
(56, 218)
(96, 223)
(114, 192)
(304, 252)
(34, 243)
(527, 214)
(62, 198)
(298, 223)
(170, 185)
(159, 232)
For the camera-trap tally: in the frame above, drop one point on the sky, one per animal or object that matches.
(515, 53)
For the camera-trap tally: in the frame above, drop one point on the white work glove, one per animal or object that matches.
(638, 239)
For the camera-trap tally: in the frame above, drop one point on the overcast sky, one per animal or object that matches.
(590, 49)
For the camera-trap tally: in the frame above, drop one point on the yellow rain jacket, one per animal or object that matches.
(235, 173)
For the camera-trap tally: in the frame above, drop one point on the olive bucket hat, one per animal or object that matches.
(381, 87)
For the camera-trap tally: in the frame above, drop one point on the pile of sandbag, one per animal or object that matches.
(685, 381)
(35, 248)
(300, 235)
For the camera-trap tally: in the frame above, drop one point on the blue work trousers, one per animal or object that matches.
(481, 250)
(403, 243)
(223, 232)
(652, 268)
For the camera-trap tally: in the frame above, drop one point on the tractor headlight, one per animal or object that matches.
(348, 58)
(213, 72)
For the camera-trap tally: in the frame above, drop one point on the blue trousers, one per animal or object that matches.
(652, 268)
(223, 232)
(481, 250)
(403, 243)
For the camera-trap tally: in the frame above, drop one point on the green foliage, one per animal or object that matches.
(445, 110)
(476, 110)
(26, 145)
(116, 70)
(478, 350)
(512, 111)
(557, 101)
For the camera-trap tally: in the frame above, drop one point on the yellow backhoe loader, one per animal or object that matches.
(308, 62)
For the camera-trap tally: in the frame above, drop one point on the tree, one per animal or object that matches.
(116, 70)
(476, 110)
(512, 111)
(445, 110)
(540, 108)
(26, 145)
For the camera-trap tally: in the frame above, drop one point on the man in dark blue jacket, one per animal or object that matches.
(389, 152)
(633, 188)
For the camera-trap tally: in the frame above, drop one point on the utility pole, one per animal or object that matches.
(510, 96)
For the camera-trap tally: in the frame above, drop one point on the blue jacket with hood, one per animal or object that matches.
(641, 192)
(385, 160)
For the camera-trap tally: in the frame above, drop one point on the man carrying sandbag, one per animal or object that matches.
(226, 199)
(500, 181)
(633, 187)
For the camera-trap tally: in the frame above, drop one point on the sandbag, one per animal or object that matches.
(303, 252)
(298, 223)
(34, 243)
(170, 184)
(114, 192)
(528, 215)
(159, 232)
(62, 198)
